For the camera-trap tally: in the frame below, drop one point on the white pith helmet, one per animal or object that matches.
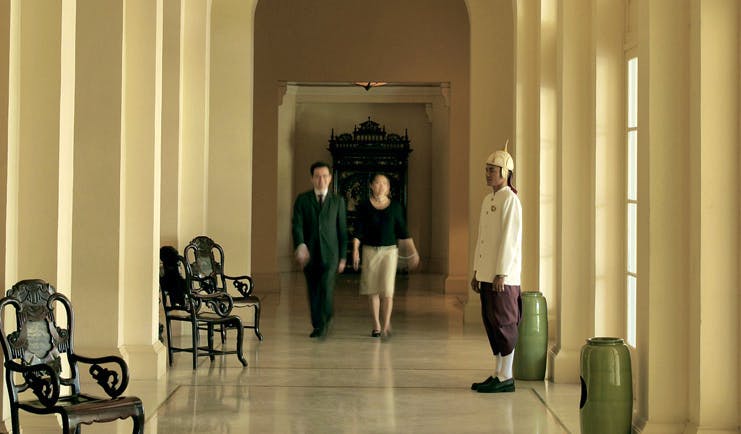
(503, 160)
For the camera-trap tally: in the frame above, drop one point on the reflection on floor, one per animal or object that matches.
(417, 381)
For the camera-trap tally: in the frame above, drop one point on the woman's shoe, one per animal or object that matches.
(376, 333)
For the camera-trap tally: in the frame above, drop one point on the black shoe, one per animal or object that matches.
(475, 386)
(499, 387)
(315, 333)
(375, 333)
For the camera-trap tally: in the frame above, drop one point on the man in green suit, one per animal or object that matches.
(320, 241)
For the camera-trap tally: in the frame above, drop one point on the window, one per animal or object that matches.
(632, 197)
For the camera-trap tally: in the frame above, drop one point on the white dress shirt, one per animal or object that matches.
(499, 244)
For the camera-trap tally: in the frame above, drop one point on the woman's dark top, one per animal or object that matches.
(380, 227)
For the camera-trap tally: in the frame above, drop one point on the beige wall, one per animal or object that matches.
(307, 42)
(315, 121)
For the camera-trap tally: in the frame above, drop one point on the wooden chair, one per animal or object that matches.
(33, 353)
(206, 259)
(186, 298)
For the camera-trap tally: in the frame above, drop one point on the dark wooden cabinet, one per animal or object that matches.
(359, 155)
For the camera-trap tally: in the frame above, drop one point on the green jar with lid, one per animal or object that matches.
(531, 351)
(606, 405)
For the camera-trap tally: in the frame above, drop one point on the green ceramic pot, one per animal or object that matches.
(606, 405)
(531, 351)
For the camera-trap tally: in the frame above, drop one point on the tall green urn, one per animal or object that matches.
(531, 351)
(606, 405)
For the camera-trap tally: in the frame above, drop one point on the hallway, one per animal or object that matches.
(417, 381)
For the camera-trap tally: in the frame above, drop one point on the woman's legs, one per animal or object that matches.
(374, 307)
(387, 305)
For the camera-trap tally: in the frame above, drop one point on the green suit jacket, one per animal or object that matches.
(324, 231)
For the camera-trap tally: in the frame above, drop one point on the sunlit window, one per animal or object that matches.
(632, 197)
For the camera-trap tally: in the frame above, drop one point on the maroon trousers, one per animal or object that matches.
(501, 312)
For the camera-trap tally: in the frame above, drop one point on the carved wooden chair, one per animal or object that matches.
(206, 259)
(186, 298)
(33, 353)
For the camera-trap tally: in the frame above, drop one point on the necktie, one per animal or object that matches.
(321, 200)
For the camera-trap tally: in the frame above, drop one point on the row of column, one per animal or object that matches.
(109, 107)
(571, 164)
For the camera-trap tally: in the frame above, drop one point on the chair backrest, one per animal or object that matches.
(174, 278)
(206, 259)
(36, 338)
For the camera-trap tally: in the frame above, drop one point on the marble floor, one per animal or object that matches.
(416, 381)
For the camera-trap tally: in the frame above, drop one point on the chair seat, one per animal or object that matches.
(87, 407)
(246, 301)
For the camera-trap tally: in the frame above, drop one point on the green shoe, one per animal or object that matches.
(498, 387)
(489, 380)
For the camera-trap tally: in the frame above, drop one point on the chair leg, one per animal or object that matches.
(240, 338)
(196, 342)
(138, 419)
(257, 321)
(14, 421)
(223, 335)
(211, 342)
(169, 340)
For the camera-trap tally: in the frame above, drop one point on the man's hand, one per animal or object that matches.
(498, 283)
(341, 267)
(302, 255)
(475, 284)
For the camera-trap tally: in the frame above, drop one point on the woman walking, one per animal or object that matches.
(380, 226)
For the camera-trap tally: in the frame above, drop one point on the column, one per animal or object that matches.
(170, 124)
(34, 140)
(193, 200)
(548, 123)
(527, 163)
(140, 185)
(492, 116)
(575, 189)
(229, 213)
(714, 363)
(663, 220)
(610, 175)
(96, 185)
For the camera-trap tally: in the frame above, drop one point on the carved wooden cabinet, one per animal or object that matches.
(359, 155)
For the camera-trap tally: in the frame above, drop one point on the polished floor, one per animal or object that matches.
(417, 381)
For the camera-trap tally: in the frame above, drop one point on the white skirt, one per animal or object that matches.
(379, 270)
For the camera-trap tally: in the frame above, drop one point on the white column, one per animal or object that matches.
(492, 113)
(35, 138)
(575, 190)
(140, 189)
(663, 218)
(527, 163)
(170, 122)
(230, 138)
(193, 199)
(714, 363)
(96, 185)
(610, 173)
(548, 122)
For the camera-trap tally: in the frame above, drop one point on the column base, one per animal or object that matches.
(472, 308)
(266, 282)
(456, 284)
(564, 365)
(643, 426)
(692, 428)
(146, 362)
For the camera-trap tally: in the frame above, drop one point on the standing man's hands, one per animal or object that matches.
(498, 283)
(341, 266)
(302, 254)
(475, 284)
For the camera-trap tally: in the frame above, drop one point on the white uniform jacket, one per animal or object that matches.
(499, 246)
